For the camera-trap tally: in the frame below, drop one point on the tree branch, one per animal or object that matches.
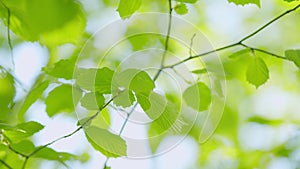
(239, 42)
(70, 134)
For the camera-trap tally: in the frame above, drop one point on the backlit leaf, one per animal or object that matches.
(197, 96)
(244, 2)
(294, 56)
(257, 72)
(62, 69)
(92, 101)
(127, 7)
(109, 144)
(181, 9)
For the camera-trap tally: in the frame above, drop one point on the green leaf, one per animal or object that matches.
(187, 1)
(7, 94)
(62, 69)
(50, 154)
(244, 2)
(167, 119)
(108, 144)
(294, 56)
(181, 9)
(290, 0)
(197, 96)
(200, 71)
(51, 22)
(102, 120)
(239, 54)
(33, 95)
(24, 147)
(23, 130)
(95, 80)
(60, 99)
(127, 7)
(257, 72)
(157, 105)
(92, 101)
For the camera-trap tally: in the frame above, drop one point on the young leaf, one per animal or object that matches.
(50, 154)
(108, 144)
(181, 9)
(33, 95)
(127, 7)
(157, 105)
(36, 20)
(187, 1)
(7, 94)
(24, 147)
(200, 71)
(95, 80)
(92, 101)
(101, 121)
(240, 53)
(294, 56)
(197, 96)
(60, 99)
(257, 72)
(23, 130)
(62, 69)
(244, 2)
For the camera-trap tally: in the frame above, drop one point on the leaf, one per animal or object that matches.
(181, 9)
(23, 130)
(257, 72)
(127, 7)
(108, 144)
(157, 105)
(50, 154)
(95, 80)
(62, 69)
(290, 0)
(294, 56)
(200, 71)
(92, 101)
(102, 120)
(51, 22)
(60, 99)
(33, 95)
(187, 1)
(7, 94)
(239, 54)
(24, 147)
(244, 2)
(197, 96)
(142, 85)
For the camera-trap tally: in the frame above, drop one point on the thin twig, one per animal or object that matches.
(191, 44)
(8, 34)
(263, 51)
(70, 134)
(127, 118)
(5, 164)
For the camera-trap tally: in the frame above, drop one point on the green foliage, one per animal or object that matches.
(62, 69)
(257, 72)
(60, 100)
(127, 7)
(109, 144)
(244, 2)
(7, 94)
(294, 56)
(92, 101)
(32, 96)
(35, 20)
(197, 96)
(95, 80)
(187, 1)
(22, 131)
(181, 9)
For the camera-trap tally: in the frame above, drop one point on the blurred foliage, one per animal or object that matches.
(94, 79)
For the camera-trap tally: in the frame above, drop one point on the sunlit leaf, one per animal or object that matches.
(197, 96)
(96, 80)
(60, 99)
(52, 22)
(62, 69)
(181, 9)
(239, 54)
(7, 93)
(127, 7)
(244, 2)
(92, 101)
(23, 130)
(33, 95)
(187, 1)
(24, 147)
(109, 144)
(294, 56)
(200, 71)
(257, 72)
